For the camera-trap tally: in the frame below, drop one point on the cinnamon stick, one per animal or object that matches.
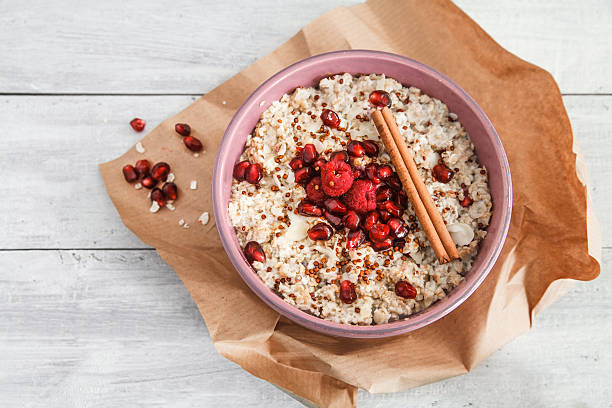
(409, 187)
(408, 159)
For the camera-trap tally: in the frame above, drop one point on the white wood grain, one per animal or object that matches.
(191, 46)
(118, 329)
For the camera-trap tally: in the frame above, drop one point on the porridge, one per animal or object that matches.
(320, 211)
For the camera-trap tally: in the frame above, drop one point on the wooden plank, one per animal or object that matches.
(58, 199)
(192, 46)
(118, 328)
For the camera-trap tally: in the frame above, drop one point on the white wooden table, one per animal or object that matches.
(91, 317)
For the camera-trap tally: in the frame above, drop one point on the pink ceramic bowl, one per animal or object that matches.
(307, 73)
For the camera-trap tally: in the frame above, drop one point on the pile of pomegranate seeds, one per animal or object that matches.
(150, 177)
(138, 124)
(192, 143)
(251, 172)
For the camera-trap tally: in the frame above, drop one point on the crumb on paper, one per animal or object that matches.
(154, 207)
(204, 218)
(170, 206)
(137, 186)
(181, 222)
(196, 155)
(223, 102)
(193, 185)
(140, 148)
(185, 225)
(170, 178)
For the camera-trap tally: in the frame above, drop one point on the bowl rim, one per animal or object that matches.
(397, 327)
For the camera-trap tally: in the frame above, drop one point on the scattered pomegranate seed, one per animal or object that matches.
(379, 231)
(254, 253)
(240, 170)
(382, 245)
(309, 209)
(334, 220)
(318, 164)
(352, 220)
(442, 173)
(148, 182)
(330, 118)
(398, 227)
(254, 173)
(304, 175)
(380, 98)
(138, 124)
(384, 193)
(320, 232)
(347, 292)
(182, 129)
(170, 191)
(355, 149)
(160, 171)
(394, 182)
(130, 173)
(354, 239)
(340, 155)
(158, 195)
(371, 148)
(405, 290)
(335, 206)
(467, 200)
(371, 171)
(192, 143)
(309, 154)
(384, 215)
(370, 219)
(393, 208)
(143, 167)
(296, 163)
(385, 171)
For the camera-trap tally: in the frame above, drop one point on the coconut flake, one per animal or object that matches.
(196, 155)
(140, 148)
(170, 178)
(137, 186)
(154, 207)
(223, 102)
(185, 225)
(461, 233)
(298, 230)
(181, 222)
(204, 218)
(170, 206)
(193, 185)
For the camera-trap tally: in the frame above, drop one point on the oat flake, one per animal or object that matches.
(140, 148)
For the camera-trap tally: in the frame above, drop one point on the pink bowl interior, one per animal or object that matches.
(308, 72)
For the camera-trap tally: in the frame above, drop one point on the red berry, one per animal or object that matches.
(143, 167)
(309, 209)
(296, 163)
(160, 171)
(336, 178)
(138, 124)
(340, 155)
(240, 170)
(467, 200)
(182, 129)
(158, 195)
(130, 173)
(314, 191)
(394, 182)
(352, 220)
(371, 171)
(361, 197)
(384, 193)
(370, 219)
(334, 220)
(330, 118)
(309, 154)
(382, 245)
(148, 182)
(320, 232)
(254, 173)
(442, 173)
(371, 148)
(170, 191)
(379, 231)
(303, 175)
(380, 98)
(192, 143)
(254, 253)
(398, 227)
(354, 239)
(393, 208)
(335, 206)
(405, 290)
(384, 215)
(385, 171)
(347, 292)
(355, 149)
(318, 164)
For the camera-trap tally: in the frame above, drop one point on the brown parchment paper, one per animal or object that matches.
(553, 239)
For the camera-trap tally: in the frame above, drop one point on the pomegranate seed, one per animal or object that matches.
(347, 292)
(148, 182)
(385, 171)
(254, 173)
(170, 191)
(160, 171)
(402, 199)
(359, 172)
(143, 167)
(254, 253)
(335, 206)
(405, 290)
(394, 182)
(339, 155)
(334, 220)
(138, 124)
(354, 239)
(158, 195)
(371, 148)
(303, 175)
(371, 171)
(384, 215)
(442, 173)
(192, 143)
(379, 231)
(296, 163)
(309, 154)
(382, 245)
(393, 208)
(398, 227)
(182, 129)
(380, 98)
(309, 209)
(355, 149)
(240, 170)
(130, 173)
(384, 193)
(352, 220)
(318, 164)
(330, 118)
(320, 232)
(467, 200)
(370, 219)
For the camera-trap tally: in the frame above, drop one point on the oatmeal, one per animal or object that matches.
(320, 211)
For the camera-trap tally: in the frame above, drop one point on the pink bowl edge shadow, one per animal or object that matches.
(501, 191)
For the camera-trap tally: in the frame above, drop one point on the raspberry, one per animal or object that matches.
(336, 177)
(361, 197)
(314, 192)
